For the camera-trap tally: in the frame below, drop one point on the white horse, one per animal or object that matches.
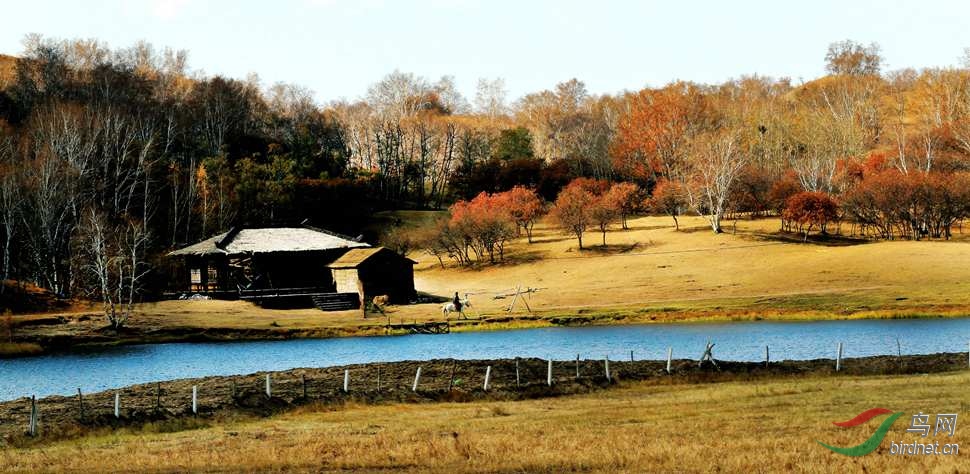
(449, 307)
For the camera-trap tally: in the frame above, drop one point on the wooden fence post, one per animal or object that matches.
(517, 380)
(32, 423)
(117, 404)
(451, 379)
(417, 377)
(488, 375)
(549, 373)
(346, 380)
(232, 390)
(631, 356)
(670, 353)
(838, 359)
(269, 387)
(606, 363)
(80, 404)
(378, 377)
(899, 349)
(195, 399)
(303, 379)
(767, 357)
(577, 366)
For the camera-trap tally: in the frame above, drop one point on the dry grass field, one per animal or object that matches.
(651, 270)
(770, 425)
(647, 273)
(652, 265)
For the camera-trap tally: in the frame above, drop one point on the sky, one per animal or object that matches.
(337, 48)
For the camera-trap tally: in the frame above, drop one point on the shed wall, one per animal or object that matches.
(346, 280)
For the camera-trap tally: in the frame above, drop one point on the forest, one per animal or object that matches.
(111, 157)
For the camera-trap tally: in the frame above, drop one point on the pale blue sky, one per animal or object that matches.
(338, 47)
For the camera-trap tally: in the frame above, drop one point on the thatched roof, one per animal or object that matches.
(354, 257)
(268, 240)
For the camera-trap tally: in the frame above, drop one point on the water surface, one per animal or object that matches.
(104, 369)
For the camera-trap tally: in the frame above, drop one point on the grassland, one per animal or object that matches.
(735, 426)
(648, 273)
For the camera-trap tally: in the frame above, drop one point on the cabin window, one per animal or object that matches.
(213, 277)
(195, 276)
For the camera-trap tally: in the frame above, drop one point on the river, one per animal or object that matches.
(96, 370)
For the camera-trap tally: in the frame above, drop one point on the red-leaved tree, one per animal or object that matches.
(603, 213)
(623, 198)
(524, 207)
(810, 210)
(572, 209)
(669, 197)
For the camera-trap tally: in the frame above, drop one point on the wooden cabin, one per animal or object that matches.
(292, 265)
(375, 271)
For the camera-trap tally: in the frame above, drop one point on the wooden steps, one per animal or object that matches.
(336, 301)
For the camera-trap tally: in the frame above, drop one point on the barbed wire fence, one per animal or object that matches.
(265, 393)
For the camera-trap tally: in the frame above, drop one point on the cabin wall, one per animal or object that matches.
(345, 280)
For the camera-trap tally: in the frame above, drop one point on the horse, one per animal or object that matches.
(449, 307)
(380, 301)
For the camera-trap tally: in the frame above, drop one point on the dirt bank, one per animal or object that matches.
(170, 402)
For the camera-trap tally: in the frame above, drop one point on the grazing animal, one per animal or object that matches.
(381, 300)
(449, 307)
(378, 303)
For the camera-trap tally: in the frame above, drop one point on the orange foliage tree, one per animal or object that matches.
(669, 197)
(572, 209)
(810, 210)
(652, 137)
(484, 225)
(602, 214)
(623, 198)
(524, 207)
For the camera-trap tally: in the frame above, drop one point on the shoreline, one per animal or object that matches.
(45, 339)
(450, 380)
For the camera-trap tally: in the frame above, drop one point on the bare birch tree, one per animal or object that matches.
(114, 256)
(715, 162)
(10, 204)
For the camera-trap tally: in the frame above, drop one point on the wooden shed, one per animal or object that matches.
(375, 271)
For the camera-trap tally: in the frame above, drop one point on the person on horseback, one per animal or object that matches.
(457, 302)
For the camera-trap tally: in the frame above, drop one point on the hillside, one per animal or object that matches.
(8, 67)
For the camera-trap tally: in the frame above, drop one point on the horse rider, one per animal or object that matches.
(457, 302)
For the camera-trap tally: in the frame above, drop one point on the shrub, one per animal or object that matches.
(810, 210)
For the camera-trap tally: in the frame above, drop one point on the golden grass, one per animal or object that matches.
(692, 271)
(17, 349)
(766, 425)
(650, 273)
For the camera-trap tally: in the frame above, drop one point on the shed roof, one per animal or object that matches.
(354, 257)
(267, 240)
